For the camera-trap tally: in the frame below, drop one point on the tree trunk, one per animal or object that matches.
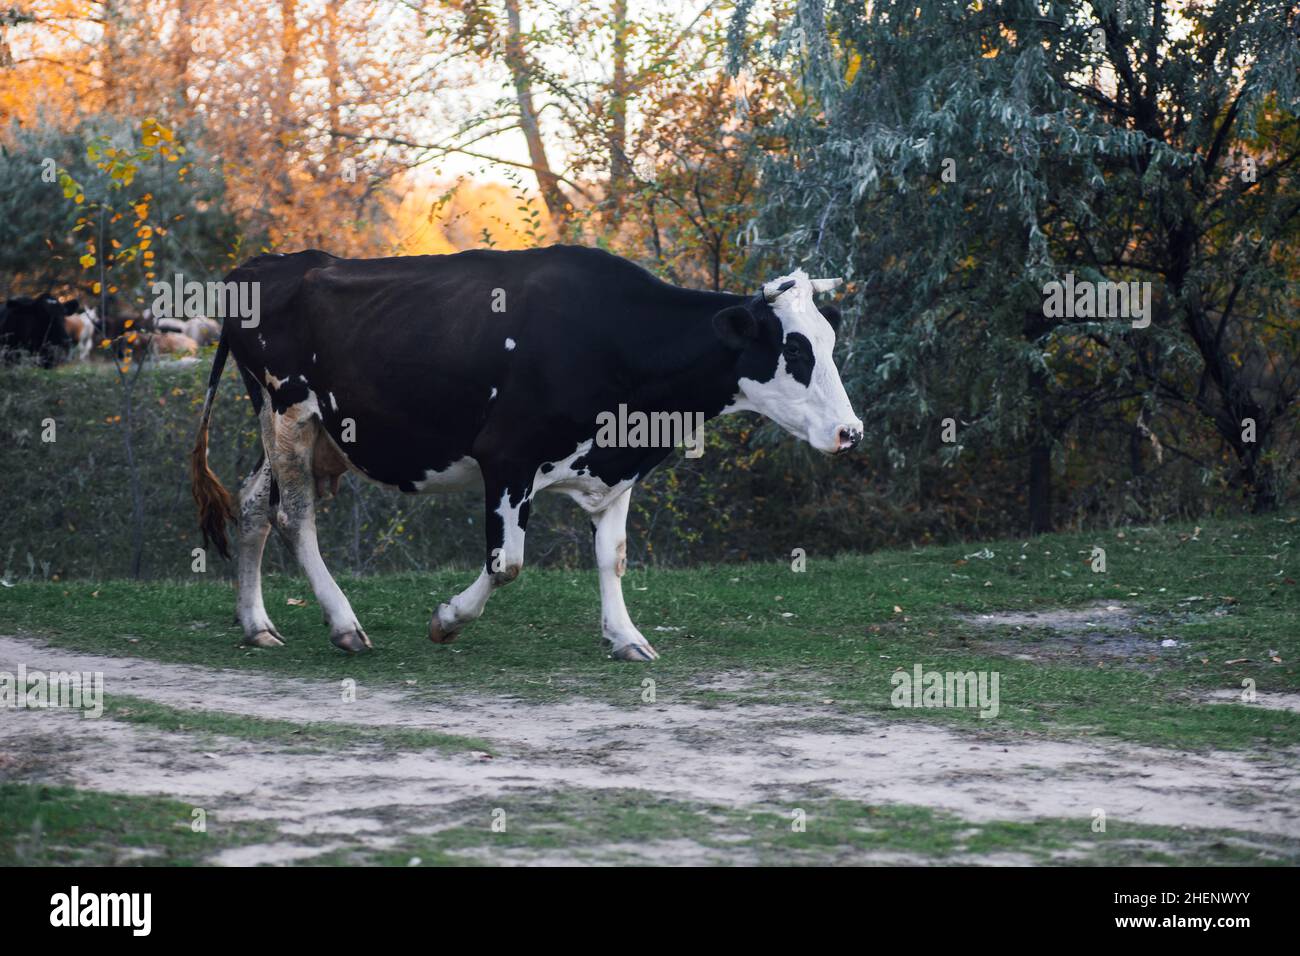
(619, 169)
(282, 101)
(133, 471)
(1040, 450)
(1040, 488)
(517, 62)
(332, 79)
(1259, 478)
(181, 52)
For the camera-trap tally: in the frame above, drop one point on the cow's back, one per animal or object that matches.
(412, 361)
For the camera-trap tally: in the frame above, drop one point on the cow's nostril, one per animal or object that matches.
(849, 437)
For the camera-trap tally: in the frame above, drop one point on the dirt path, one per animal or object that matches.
(730, 755)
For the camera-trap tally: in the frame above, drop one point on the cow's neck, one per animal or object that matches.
(680, 363)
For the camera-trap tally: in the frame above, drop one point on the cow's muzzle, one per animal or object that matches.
(846, 438)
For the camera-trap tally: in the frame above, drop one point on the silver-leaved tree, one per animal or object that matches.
(955, 160)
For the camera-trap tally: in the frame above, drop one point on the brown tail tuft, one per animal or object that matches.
(215, 504)
(216, 507)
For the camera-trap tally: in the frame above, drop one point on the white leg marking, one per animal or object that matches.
(626, 642)
(502, 568)
(254, 526)
(467, 605)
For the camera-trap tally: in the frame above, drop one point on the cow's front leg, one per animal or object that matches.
(507, 518)
(616, 627)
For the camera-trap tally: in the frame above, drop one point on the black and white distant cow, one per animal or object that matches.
(492, 370)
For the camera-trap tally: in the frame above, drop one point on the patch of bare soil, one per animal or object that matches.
(1098, 631)
(1271, 700)
(724, 755)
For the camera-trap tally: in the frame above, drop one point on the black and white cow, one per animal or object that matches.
(491, 369)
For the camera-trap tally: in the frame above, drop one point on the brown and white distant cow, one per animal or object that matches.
(172, 344)
(82, 327)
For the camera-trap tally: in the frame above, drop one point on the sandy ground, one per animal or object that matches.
(731, 756)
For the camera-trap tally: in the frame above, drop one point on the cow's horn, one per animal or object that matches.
(785, 286)
(826, 285)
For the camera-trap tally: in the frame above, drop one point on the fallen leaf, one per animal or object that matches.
(296, 602)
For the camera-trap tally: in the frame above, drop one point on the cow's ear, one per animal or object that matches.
(736, 326)
(831, 315)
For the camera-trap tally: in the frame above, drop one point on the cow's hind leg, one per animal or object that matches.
(293, 441)
(507, 519)
(626, 643)
(254, 525)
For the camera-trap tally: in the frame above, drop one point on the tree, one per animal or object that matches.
(42, 238)
(952, 161)
(108, 195)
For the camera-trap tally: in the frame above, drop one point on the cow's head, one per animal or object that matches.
(785, 365)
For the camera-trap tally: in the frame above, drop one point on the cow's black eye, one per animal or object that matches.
(798, 354)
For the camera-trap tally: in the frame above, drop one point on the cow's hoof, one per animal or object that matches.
(634, 652)
(437, 632)
(354, 642)
(263, 639)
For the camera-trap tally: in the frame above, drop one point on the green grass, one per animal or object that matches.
(613, 826)
(60, 826)
(306, 736)
(842, 641)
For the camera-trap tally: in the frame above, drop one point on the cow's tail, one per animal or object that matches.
(216, 507)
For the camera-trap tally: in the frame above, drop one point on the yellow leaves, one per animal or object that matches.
(141, 210)
(144, 232)
(855, 64)
(87, 261)
(152, 132)
(95, 287)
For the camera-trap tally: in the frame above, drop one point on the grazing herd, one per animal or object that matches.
(50, 332)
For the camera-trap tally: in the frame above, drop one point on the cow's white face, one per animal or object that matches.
(786, 369)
